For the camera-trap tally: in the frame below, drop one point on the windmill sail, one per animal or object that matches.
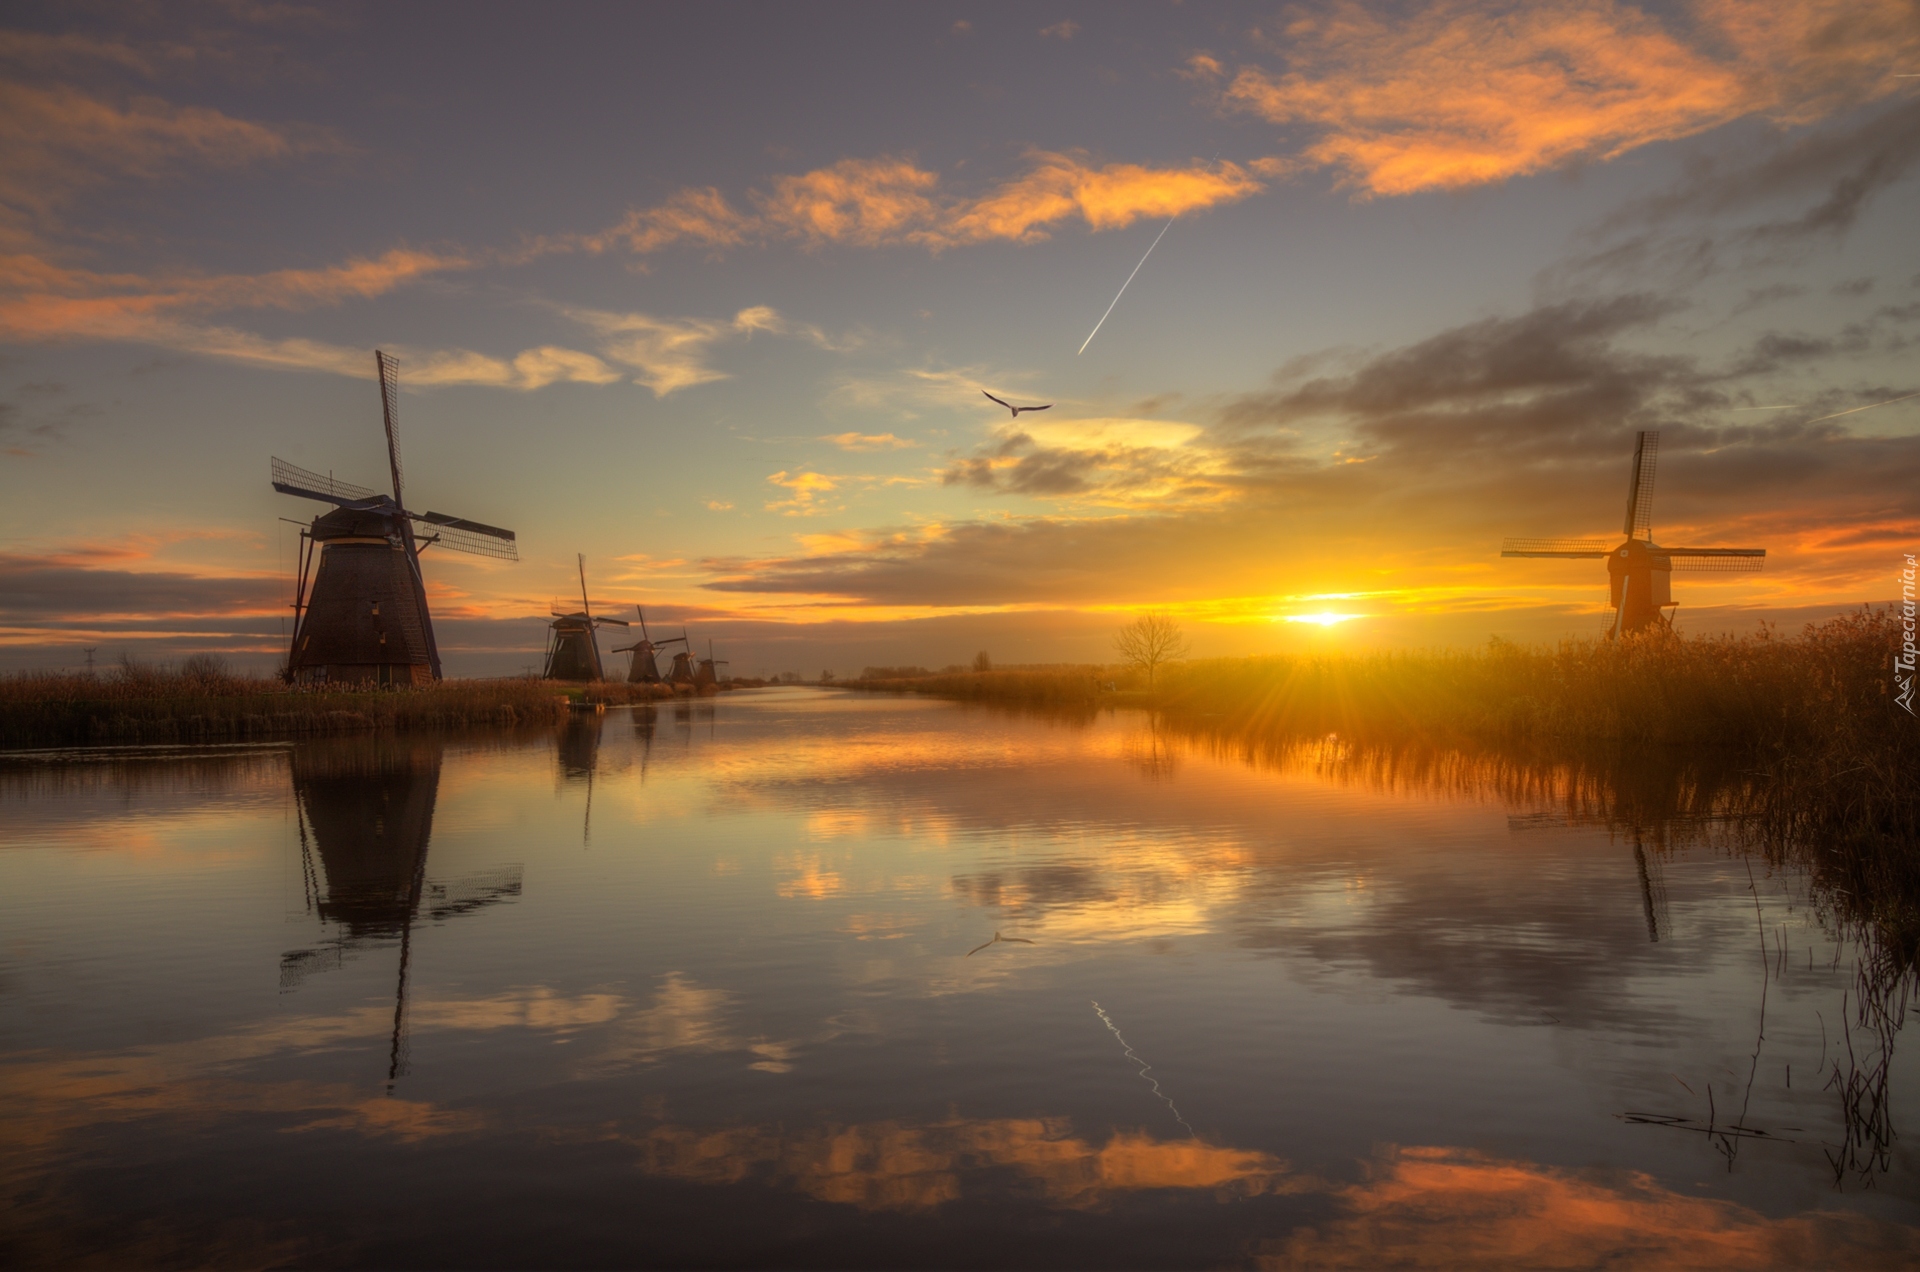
(1646, 454)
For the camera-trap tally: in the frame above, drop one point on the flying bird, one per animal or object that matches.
(1011, 940)
(1016, 411)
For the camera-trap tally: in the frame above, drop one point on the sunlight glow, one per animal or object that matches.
(1324, 619)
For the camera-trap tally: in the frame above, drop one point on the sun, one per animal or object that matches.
(1324, 619)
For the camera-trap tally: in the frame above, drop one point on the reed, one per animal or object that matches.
(200, 701)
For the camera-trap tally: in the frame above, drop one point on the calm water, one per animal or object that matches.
(694, 987)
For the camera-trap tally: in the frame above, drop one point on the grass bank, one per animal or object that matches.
(137, 704)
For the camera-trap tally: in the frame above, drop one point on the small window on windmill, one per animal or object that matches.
(376, 609)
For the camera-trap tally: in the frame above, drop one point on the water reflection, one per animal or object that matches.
(761, 1004)
(365, 818)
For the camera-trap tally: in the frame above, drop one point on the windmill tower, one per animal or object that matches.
(646, 666)
(1640, 571)
(365, 618)
(573, 649)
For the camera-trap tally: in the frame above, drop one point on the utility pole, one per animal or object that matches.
(89, 653)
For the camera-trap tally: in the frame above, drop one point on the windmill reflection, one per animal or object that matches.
(365, 813)
(578, 753)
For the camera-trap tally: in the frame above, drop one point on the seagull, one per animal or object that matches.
(1016, 411)
(1011, 940)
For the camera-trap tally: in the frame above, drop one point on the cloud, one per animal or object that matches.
(1060, 30)
(56, 140)
(43, 301)
(1455, 94)
(1115, 462)
(806, 492)
(867, 441)
(890, 201)
(1843, 167)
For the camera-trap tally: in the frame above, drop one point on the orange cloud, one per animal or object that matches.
(1458, 95)
(867, 441)
(1061, 187)
(889, 202)
(807, 489)
(866, 202)
(40, 299)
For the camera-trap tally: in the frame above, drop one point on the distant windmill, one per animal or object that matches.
(683, 677)
(366, 618)
(646, 668)
(1640, 571)
(573, 651)
(706, 677)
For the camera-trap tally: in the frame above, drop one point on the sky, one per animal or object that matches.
(712, 295)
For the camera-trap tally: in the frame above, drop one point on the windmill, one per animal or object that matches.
(1640, 571)
(366, 617)
(646, 669)
(683, 677)
(706, 678)
(573, 649)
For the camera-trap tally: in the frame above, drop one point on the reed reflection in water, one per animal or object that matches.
(386, 1002)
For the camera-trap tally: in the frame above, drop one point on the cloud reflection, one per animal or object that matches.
(1453, 1207)
(901, 1166)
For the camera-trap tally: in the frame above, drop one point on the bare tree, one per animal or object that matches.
(981, 662)
(1149, 640)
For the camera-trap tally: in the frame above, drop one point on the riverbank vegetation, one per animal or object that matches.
(200, 700)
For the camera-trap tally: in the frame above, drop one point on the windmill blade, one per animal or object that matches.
(476, 537)
(620, 622)
(1718, 560)
(291, 479)
(585, 607)
(457, 539)
(1594, 549)
(643, 621)
(1646, 454)
(390, 417)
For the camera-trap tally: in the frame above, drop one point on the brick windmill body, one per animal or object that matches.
(364, 617)
(1640, 571)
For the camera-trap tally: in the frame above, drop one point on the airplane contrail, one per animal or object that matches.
(1868, 407)
(1123, 287)
(1136, 269)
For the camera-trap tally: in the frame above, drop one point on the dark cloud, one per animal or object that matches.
(1757, 297)
(1852, 287)
(36, 592)
(1844, 167)
(1776, 349)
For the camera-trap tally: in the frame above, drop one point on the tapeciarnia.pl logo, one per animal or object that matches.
(1903, 662)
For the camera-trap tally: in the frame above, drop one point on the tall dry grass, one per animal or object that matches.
(201, 701)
